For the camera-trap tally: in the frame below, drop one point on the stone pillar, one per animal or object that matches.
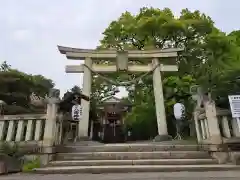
(159, 103)
(1, 129)
(236, 131)
(213, 125)
(20, 130)
(197, 125)
(38, 130)
(203, 129)
(87, 83)
(225, 127)
(50, 125)
(29, 130)
(10, 131)
(91, 130)
(60, 128)
(206, 128)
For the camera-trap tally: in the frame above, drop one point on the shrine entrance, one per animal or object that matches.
(111, 117)
(147, 62)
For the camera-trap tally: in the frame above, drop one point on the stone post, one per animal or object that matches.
(91, 130)
(51, 118)
(87, 83)
(50, 125)
(159, 103)
(213, 125)
(2, 122)
(10, 131)
(19, 130)
(38, 130)
(236, 131)
(203, 128)
(60, 128)
(226, 129)
(29, 130)
(197, 125)
(1, 129)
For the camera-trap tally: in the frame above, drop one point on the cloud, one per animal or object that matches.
(22, 35)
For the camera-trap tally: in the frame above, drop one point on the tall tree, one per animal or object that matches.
(209, 57)
(17, 86)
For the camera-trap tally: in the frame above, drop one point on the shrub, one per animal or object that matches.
(11, 150)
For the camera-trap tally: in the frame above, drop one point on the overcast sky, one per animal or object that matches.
(30, 30)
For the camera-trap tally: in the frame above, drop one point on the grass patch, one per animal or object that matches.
(30, 165)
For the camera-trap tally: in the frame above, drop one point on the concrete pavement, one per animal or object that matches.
(224, 175)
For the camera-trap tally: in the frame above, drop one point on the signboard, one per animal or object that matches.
(77, 112)
(178, 110)
(234, 101)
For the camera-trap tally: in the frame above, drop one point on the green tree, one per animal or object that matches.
(155, 28)
(210, 57)
(17, 86)
(236, 36)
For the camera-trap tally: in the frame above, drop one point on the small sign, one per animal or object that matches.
(77, 112)
(234, 101)
(179, 111)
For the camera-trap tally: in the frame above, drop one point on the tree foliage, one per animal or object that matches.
(210, 58)
(17, 86)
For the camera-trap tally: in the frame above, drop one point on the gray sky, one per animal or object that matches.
(30, 30)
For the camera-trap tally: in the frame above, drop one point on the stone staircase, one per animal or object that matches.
(144, 157)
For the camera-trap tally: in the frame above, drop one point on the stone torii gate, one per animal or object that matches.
(158, 60)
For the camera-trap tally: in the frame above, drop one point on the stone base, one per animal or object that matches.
(44, 158)
(84, 138)
(221, 157)
(160, 138)
(9, 164)
(235, 158)
(135, 169)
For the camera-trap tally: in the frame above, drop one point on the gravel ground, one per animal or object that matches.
(228, 175)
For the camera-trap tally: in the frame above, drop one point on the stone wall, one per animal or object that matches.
(216, 128)
(35, 134)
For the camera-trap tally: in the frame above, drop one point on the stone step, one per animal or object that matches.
(134, 162)
(134, 168)
(133, 155)
(129, 148)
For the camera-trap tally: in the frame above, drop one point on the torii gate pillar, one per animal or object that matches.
(159, 103)
(87, 84)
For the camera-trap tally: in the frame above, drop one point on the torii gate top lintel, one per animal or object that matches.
(82, 54)
(121, 58)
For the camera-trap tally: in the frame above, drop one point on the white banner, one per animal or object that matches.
(77, 112)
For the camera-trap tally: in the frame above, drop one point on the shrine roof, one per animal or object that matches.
(113, 99)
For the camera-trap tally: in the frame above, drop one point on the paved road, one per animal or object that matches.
(229, 175)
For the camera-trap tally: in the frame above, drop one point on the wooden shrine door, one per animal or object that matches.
(113, 130)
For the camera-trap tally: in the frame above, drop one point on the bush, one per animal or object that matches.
(30, 165)
(11, 150)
